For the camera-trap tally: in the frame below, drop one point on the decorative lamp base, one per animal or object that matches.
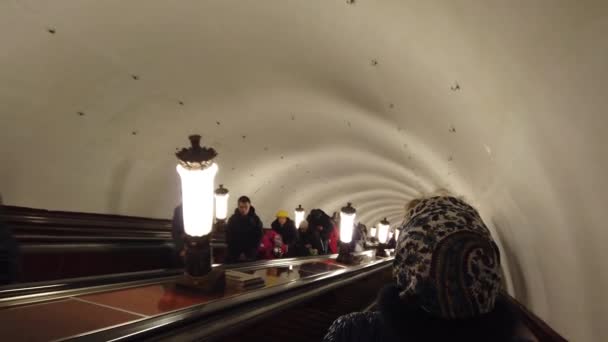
(381, 251)
(198, 271)
(214, 281)
(198, 255)
(346, 256)
(219, 230)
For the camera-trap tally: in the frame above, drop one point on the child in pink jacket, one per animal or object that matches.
(271, 246)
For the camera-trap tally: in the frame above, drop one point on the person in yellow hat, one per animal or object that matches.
(285, 227)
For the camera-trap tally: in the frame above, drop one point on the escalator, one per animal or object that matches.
(151, 306)
(126, 287)
(300, 298)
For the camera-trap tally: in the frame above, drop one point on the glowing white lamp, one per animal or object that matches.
(372, 232)
(197, 199)
(197, 172)
(221, 203)
(347, 223)
(299, 215)
(383, 228)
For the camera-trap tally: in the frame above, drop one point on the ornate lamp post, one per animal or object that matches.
(299, 215)
(221, 209)
(383, 228)
(197, 173)
(347, 225)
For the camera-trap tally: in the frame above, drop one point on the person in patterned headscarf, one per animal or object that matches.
(447, 279)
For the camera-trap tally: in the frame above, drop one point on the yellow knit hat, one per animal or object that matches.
(282, 213)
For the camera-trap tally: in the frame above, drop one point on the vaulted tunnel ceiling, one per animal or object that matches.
(322, 102)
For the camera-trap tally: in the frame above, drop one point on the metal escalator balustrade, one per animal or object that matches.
(157, 303)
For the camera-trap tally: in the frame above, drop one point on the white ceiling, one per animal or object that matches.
(375, 103)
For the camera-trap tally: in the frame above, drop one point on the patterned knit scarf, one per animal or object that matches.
(446, 259)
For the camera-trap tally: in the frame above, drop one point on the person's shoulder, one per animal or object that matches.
(357, 326)
(291, 224)
(361, 317)
(233, 217)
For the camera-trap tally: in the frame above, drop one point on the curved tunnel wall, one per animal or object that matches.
(321, 102)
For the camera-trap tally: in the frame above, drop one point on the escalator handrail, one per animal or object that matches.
(93, 246)
(539, 328)
(101, 245)
(12, 291)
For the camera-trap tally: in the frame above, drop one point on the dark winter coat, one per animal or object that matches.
(311, 239)
(244, 233)
(301, 242)
(318, 218)
(397, 320)
(288, 232)
(392, 243)
(358, 235)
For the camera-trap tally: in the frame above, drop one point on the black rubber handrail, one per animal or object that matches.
(8, 293)
(94, 246)
(39, 224)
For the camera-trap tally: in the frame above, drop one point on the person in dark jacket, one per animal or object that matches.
(304, 242)
(284, 226)
(243, 232)
(320, 228)
(447, 280)
(359, 236)
(392, 241)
